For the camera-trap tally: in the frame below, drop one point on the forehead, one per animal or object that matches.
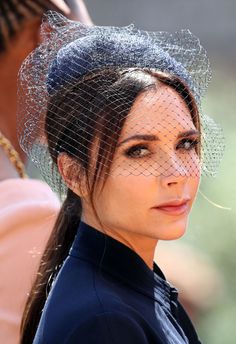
(162, 109)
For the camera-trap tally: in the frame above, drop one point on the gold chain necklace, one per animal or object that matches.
(12, 155)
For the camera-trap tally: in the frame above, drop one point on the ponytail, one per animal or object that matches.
(56, 251)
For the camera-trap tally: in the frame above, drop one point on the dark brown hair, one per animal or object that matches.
(62, 116)
(14, 13)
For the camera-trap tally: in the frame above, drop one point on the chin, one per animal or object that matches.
(171, 231)
(173, 235)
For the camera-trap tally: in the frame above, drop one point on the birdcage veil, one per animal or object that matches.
(82, 83)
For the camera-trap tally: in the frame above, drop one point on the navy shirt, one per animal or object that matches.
(106, 294)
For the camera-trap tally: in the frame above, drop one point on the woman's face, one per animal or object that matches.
(155, 172)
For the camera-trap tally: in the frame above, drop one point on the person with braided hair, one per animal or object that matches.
(28, 208)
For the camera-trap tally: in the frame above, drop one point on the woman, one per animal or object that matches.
(111, 117)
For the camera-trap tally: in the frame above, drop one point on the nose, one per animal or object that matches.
(173, 180)
(177, 164)
(175, 171)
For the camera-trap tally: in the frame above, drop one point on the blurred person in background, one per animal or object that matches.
(28, 208)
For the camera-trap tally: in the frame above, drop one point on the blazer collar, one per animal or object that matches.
(123, 263)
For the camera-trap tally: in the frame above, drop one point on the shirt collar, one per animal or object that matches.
(122, 262)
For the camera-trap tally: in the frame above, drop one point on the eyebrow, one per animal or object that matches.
(192, 132)
(140, 137)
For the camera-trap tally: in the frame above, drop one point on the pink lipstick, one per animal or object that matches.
(175, 207)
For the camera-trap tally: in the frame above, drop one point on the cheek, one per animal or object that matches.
(123, 196)
(193, 184)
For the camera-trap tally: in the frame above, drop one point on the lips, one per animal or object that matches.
(175, 207)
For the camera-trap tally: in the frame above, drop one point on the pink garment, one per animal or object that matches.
(28, 210)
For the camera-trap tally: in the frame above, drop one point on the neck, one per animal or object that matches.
(144, 246)
(7, 170)
(10, 60)
(8, 72)
(8, 111)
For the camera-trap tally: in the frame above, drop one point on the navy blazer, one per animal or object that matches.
(106, 294)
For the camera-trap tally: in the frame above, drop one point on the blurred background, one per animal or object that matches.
(211, 235)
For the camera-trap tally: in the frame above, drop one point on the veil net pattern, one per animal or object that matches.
(99, 94)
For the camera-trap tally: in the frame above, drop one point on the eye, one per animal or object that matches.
(187, 144)
(137, 151)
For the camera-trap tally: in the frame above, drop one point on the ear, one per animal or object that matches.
(73, 174)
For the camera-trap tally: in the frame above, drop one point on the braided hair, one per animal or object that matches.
(13, 14)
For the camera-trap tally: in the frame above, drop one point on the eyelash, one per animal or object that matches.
(193, 144)
(130, 151)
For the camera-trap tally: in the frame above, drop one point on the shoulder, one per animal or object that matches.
(27, 203)
(20, 190)
(109, 327)
(83, 316)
